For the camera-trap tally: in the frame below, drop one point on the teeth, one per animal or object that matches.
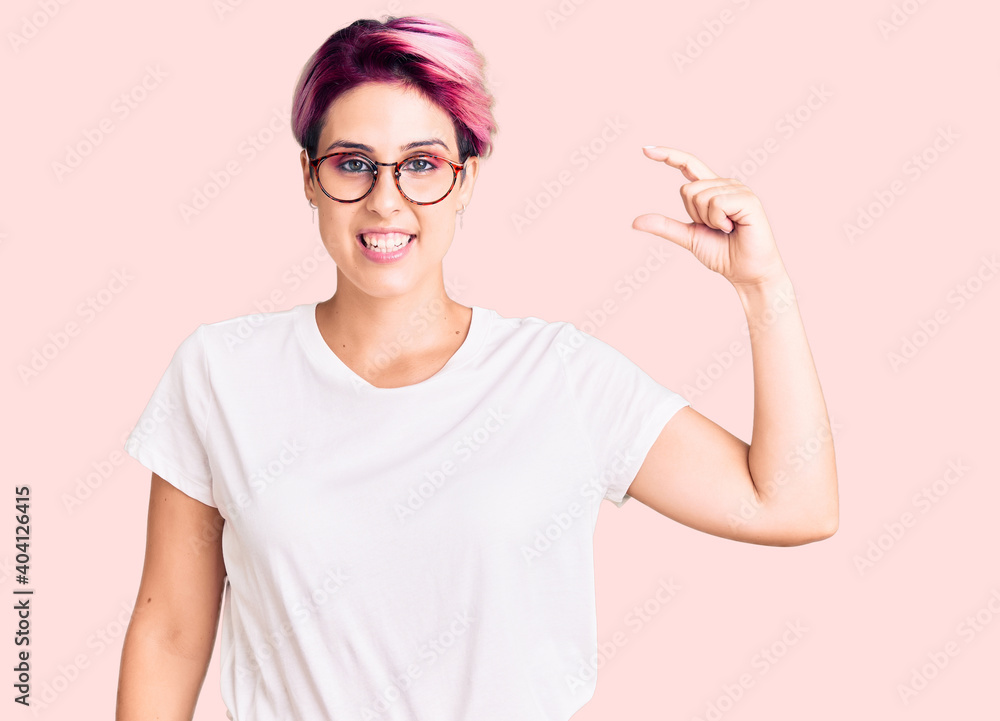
(385, 242)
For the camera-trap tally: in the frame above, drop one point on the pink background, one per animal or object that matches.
(821, 106)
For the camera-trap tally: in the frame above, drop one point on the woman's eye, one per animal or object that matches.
(420, 164)
(353, 165)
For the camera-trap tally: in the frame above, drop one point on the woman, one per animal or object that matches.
(393, 495)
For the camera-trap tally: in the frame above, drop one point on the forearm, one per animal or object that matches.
(158, 679)
(791, 455)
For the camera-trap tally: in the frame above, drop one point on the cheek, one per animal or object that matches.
(334, 221)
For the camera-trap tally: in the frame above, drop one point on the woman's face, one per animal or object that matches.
(387, 118)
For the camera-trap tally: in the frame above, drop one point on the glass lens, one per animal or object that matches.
(425, 179)
(346, 177)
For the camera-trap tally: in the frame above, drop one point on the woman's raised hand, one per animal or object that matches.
(730, 233)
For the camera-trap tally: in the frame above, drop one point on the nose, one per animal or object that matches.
(385, 196)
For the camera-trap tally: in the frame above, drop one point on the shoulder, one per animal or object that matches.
(249, 333)
(562, 336)
(519, 332)
(558, 345)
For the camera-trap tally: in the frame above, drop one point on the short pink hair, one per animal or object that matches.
(420, 52)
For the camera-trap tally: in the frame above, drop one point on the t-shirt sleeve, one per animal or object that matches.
(621, 409)
(169, 437)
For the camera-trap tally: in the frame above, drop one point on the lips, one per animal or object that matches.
(361, 238)
(385, 256)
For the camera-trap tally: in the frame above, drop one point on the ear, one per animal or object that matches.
(307, 179)
(467, 184)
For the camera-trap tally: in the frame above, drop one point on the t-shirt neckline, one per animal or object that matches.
(309, 335)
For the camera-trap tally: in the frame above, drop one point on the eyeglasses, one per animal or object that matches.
(423, 179)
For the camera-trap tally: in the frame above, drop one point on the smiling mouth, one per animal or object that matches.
(365, 243)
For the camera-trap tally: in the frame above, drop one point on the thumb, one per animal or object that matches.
(673, 230)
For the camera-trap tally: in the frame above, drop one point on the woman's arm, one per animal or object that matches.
(791, 456)
(169, 641)
(782, 488)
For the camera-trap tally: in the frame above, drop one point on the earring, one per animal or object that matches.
(314, 211)
(460, 215)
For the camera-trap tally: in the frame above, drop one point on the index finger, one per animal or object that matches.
(692, 167)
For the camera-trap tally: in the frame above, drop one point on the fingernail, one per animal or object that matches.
(649, 146)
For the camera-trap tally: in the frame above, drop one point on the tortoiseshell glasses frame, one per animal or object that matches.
(314, 164)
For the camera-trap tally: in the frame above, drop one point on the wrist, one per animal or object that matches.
(766, 292)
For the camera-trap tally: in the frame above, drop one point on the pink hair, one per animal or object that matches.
(421, 52)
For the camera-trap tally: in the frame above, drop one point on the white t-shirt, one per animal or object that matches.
(423, 552)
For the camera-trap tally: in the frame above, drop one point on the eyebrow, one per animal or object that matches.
(402, 148)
